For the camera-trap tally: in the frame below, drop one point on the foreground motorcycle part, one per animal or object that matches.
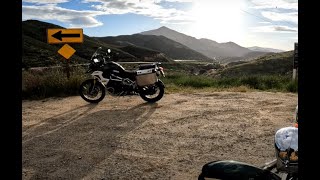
(233, 170)
(286, 148)
(296, 117)
(285, 166)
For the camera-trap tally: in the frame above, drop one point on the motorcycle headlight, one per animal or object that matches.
(95, 60)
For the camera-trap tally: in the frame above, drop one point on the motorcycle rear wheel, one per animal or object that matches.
(152, 93)
(92, 91)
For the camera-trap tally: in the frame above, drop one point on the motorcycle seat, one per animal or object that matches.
(130, 72)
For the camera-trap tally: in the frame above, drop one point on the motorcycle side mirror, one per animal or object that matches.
(233, 170)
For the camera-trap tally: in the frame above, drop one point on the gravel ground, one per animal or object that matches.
(126, 138)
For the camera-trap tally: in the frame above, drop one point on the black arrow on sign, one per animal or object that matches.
(59, 35)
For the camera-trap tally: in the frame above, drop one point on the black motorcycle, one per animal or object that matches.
(109, 76)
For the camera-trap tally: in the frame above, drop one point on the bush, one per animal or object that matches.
(251, 81)
(228, 82)
(53, 82)
(267, 82)
(292, 86)
(38, 84)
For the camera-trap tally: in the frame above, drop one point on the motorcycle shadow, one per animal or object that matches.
(76, 148)
(53, 123)
(128, 119)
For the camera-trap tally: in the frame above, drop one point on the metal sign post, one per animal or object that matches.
(295, 62)
(68, 70)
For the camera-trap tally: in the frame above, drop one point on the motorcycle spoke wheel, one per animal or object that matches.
(156, 93)
(152, 93)
(91, 91)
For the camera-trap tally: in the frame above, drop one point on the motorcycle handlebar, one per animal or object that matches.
(95, 53)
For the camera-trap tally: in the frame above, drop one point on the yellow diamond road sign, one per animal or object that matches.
(66, 51)
(55, 36)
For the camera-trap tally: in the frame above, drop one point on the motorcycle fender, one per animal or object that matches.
(97, 75)
(96, 79)
(160, 83)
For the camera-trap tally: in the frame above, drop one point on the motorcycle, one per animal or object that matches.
(284, 167)
(109, 76)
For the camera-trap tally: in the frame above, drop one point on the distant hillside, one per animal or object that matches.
(255, 54)
(146, 54)
(273, 64)
(247, 57)
(37, 52)
(264, 49)
(233, 49)
(207, 47)
(162, 44)
(235, 63)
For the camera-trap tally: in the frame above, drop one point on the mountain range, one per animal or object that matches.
(162, 44)
(210, 48)
(171, 48)
(264, 49)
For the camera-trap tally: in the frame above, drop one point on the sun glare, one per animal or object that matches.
(221, 20)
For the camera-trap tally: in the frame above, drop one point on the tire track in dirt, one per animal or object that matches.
(125, 138)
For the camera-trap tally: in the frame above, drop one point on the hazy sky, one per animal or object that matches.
(264, 23)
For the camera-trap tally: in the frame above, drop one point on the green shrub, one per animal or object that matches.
(292, 86)
(38, 84)
(227, 82)
(53, 82)
(251, 81)
(267, 82)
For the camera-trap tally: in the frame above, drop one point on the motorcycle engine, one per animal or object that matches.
(120, 87)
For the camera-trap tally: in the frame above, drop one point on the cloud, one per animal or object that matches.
(284, 28)
(52, 12)
(45, 1)
(178, 0)
(49, 10)
(84, 22)
(143, 7)
(264, 22)
(281, 4)
(274, 16)
(294, 38)
(272, 29)
(176, 20)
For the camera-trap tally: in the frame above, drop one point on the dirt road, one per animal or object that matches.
(125, 138)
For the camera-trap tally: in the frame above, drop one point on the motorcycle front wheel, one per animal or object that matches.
(152, 93)
(92, 91)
